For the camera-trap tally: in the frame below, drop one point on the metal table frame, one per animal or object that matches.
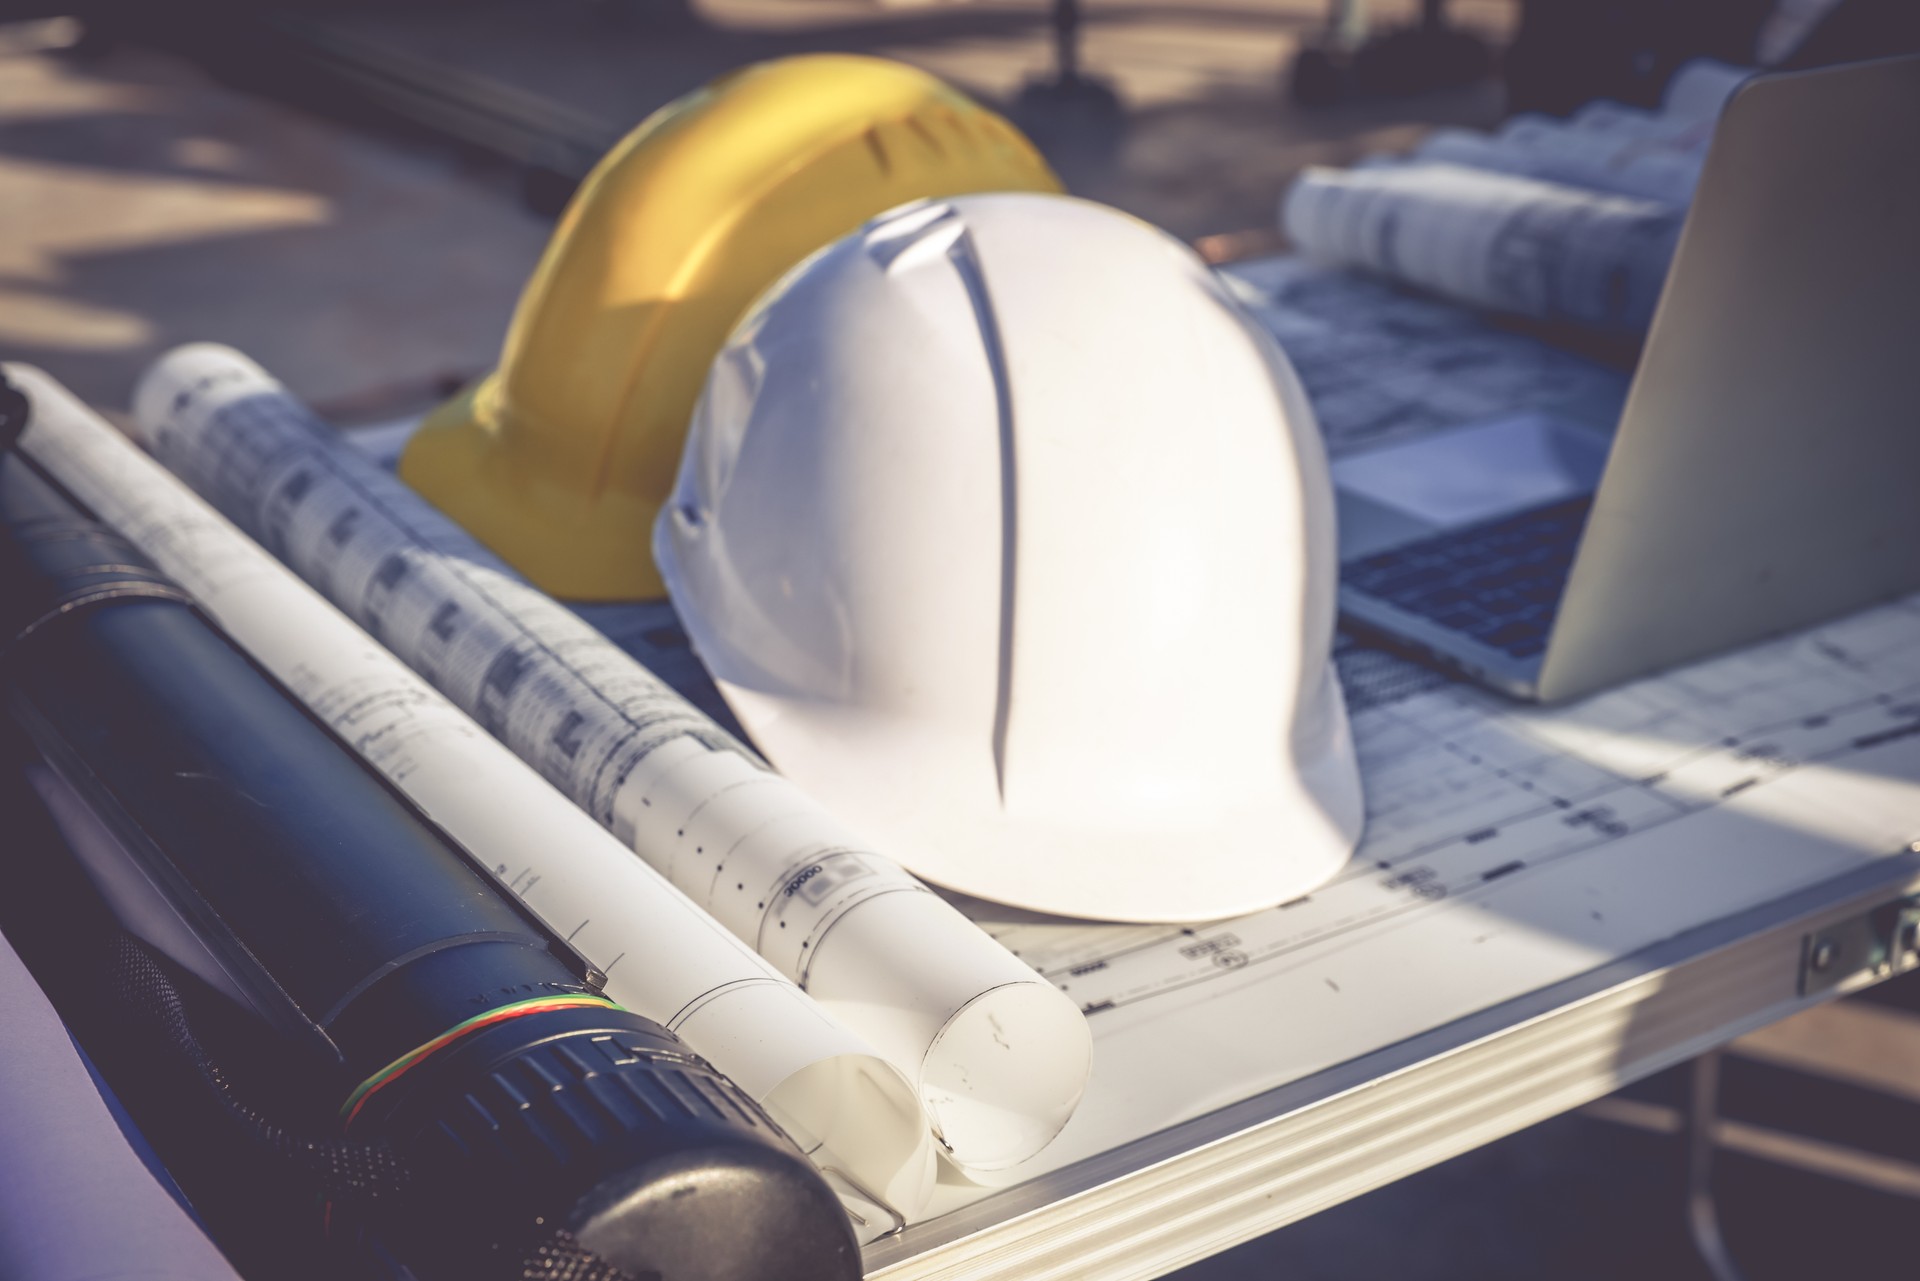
(1193, 1190)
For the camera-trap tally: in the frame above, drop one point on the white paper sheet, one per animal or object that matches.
(999, 1057)
(663, 957)
(1494, 240)
(76, 1201)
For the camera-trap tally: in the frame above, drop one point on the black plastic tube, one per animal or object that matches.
(316, 885)
(364, 934)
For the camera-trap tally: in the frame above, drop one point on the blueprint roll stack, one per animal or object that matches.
(1492, 240)
(999, 1056)
(1618, 152)
(1606, 146)
(662, 957)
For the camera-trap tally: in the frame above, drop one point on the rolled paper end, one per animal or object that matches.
(847, 1108)
(188, 375)
(1005, 1074)
(859, 1120)
(1003, 1055)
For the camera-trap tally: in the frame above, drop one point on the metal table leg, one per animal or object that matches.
(1703, 1213)
(1347, 24)
(1069, 111)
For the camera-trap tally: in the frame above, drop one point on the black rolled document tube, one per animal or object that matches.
(461, 1030)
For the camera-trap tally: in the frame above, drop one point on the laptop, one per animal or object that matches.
(1765, 472)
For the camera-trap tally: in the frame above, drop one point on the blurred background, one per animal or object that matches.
(355, 195)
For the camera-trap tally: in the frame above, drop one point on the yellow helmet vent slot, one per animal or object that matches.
(560, 459)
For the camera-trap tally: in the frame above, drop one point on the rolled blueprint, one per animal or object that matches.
(1615, 153)
(662, 956)
(76, 1201)
(1702, 88)
(999, 1055)
(1491, 239)
(1605, 146)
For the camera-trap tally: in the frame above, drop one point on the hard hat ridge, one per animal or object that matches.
(1009, 536)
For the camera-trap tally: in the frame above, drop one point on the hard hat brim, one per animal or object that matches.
(1197, 865)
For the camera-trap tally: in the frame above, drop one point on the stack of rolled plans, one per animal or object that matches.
(1570, 220)
(663, 956)
(1617, 151)
(998, 1056)
(1492, 240)
(1604, 146)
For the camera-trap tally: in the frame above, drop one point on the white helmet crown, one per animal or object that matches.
(1008, 534)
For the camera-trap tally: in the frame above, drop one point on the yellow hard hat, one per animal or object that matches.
(560, 459)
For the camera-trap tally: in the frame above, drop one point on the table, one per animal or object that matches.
(1780, 877)
(1548, 904)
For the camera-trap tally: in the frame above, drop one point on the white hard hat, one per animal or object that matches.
(1008, 534)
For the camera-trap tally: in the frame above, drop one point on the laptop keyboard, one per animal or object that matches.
(1499, 583)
